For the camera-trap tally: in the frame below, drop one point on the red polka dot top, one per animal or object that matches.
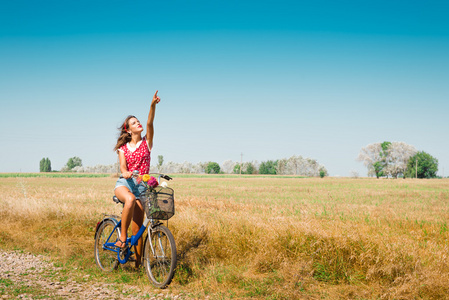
(138, 159)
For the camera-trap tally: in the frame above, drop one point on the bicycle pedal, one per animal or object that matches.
(124, 250)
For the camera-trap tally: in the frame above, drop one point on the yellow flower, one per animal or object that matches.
(146, 177)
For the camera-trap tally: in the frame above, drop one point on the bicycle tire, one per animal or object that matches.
(106, 260)
(160, 265)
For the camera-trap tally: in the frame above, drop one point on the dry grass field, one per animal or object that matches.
(267, 238)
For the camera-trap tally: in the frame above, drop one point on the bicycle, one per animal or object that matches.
(159, 248)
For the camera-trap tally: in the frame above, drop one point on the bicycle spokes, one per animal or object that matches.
(160, 256)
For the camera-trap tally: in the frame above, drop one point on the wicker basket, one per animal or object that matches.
(159, 203)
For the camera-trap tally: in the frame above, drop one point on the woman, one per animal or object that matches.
(134, 154)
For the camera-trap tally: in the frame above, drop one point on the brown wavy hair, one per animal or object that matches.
(123, 137)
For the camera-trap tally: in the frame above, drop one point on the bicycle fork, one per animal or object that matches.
(153, 251)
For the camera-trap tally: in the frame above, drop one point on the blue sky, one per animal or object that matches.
(269, 79)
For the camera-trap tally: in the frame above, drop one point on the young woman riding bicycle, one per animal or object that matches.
(134, 154)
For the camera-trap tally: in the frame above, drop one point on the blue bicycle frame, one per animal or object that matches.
(130, 241)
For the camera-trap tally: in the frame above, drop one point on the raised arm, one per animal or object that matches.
(150, 127)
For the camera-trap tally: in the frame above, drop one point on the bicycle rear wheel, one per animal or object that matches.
(159, 256)
(106, 259)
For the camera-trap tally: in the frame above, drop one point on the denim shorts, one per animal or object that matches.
(132, 185)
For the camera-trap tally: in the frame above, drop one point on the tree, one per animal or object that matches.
(281, 167)
(311, 167)
(228, 166)
(160, 161)
(45, 165)
(297, 165)
(385, 159)
(268, 167)
(397, 157)
(385, 146)
(48, 164)
(322, 172)
(74, 162)
(249, 168)
(373, 158)
(427, 166)
(354, 174)
(378, 169)
(384, 155)
(212, 168)
(236, 169)
(184, 168)
(42, 165)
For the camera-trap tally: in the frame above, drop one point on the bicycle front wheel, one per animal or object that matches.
(106, 259)
(159, 256)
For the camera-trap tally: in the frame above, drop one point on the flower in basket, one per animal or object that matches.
(152, 182)
(146, 177)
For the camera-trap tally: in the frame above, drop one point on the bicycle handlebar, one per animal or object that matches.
(136, 173)
(166, 177)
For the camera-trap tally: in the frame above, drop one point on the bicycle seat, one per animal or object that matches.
(116, 200)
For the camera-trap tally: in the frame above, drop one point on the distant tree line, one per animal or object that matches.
(73, 162)
(397, 159)
(295, 165)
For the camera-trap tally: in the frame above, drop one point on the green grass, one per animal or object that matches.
(95, 175)
(53, 175)
(232, 176)
(13, 289)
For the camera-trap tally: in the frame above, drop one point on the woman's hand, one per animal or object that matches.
(127, 174)
(156, 99)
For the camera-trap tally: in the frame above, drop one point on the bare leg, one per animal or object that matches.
(135, 226)
(124, 194)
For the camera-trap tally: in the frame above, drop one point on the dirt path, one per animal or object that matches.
(27, 276)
